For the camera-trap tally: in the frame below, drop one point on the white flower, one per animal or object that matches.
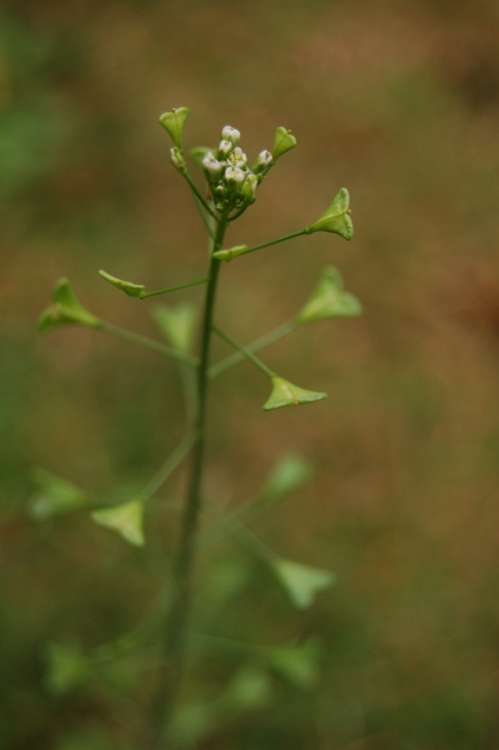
(240, 158)
(225, 147)
(264, 158)
(235, 175)
(231, 134)
(212, 165)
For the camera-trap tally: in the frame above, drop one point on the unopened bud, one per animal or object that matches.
(224, 148)
(212, 166)
(177, 160)
(249, 187)
(234, 175)
(263, 160)
(231, 134)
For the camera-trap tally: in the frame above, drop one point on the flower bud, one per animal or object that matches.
(177, 160)
(133, 290)
(231, 134)
(66, 308)
(249, 187)
(285, 393)
(224, 148)
(174, 122)
(263, 160)
(284, 141)
(234, 175)
(212, 167)
(329, 300)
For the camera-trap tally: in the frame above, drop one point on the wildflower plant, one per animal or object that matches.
(231, 187)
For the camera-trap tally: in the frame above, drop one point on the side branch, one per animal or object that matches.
(154, 346)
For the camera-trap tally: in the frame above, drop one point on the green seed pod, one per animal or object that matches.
(285, 393)
(133, 290)
(54, 497)
(336, 218)
(65, 309)
(126, 519)
(231, 253)
(284, 141)
(177, 324)
(174, 122)
(302, 582)
(329, 300)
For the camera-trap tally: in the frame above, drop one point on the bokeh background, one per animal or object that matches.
(396, 100)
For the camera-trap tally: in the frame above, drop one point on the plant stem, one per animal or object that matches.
(199, 197)
(255, 346)
(176, 630)
(244, 351)
(154, 346)
(144, 295)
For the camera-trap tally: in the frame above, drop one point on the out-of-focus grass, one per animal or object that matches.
(399, 101)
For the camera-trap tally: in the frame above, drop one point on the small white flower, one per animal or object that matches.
(240, 158)
(231, 134)
(212, 165)
(264, 158)
(225, 147)
(235, 175)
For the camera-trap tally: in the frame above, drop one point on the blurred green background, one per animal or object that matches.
(399, 102)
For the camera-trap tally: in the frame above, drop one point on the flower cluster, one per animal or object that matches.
(232, 184)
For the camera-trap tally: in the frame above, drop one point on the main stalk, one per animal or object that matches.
(175, 640)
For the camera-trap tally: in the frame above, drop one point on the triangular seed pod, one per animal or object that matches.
(230, 253)
(55, 496)
(126, 519)
(65, 309)
(336, 218)
(174, 122)
(285, 393)
(133, 290)
(284, 141)
(329, 300)
(289, 474)
(301, 581)
(177, 324)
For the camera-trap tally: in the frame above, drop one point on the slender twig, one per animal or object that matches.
(260, 343)
(171, 463)
(144, 295)
(227, 253)
(198, 195)
(154, 346)
(244, 351)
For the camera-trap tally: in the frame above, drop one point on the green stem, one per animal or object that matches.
(171, 463)
(175, 635)
(267, 244)
(255, 346)
(144, 295)
(199, 197)
(154, 346)
(244, 351)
